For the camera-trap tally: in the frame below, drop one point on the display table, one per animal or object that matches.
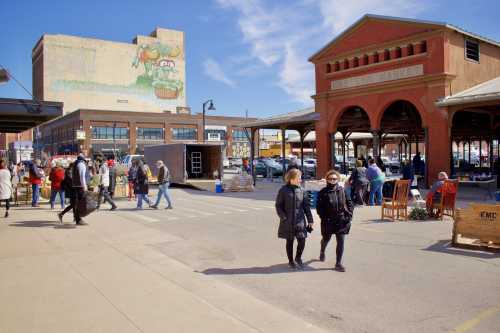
(488, 185)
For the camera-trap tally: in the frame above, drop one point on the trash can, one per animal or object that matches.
(218, 186)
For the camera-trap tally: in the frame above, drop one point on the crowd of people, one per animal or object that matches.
(70, 183)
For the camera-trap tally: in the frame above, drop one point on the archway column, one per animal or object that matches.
(437, 157)
(376, 143)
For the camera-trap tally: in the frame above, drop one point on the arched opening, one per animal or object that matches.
(398, 52)
(402, 137)
(355, 62)
(352, 140)
(328, 68)
(473, 143)
(366, 60)
(387, 55)
(337, 66)
(409, 49)
(375, 57)
(346, 63)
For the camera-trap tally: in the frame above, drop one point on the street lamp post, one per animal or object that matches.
(211, 107)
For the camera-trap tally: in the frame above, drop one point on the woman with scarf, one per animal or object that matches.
(335, 209)
(292, 207)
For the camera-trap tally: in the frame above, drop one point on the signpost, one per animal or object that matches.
(479, 222)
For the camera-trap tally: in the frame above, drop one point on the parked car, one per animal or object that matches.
(127, 160)
(235, 162)
(225, 163)
(262, 168)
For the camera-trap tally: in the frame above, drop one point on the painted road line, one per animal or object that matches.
(471, 323)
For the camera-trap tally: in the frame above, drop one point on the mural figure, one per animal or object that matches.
(160, 73)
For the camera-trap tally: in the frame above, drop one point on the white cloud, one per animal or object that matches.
(213, 70)
(283, 36)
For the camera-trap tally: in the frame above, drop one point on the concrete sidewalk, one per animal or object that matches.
(108, 276)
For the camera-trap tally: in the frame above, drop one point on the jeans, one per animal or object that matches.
(163, 190)
(140, 197)
(36, 194)
(376, 191)
(53, 194)
(103, 192)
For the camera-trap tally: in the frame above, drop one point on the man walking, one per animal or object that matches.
(164, 183)
(79, 177)
(104, 185)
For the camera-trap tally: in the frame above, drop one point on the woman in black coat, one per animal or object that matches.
(293, 209)
(335, 209)
(141, 187)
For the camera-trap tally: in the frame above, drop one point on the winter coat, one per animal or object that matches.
(56, 177)
(5, 184)
(335, 209)
(141, 181)
(293, 208)
(67, 183)
(359, 177)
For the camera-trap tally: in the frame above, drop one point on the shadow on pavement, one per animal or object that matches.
(273, 269)
(42, 224)
(444, 246)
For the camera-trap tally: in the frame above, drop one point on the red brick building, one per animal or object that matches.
(384, 75)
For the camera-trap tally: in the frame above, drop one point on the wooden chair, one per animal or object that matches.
(446, 206)
(397, 206)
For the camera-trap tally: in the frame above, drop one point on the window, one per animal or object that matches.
(184, 133)
(337, 66)
(387, 55)
(398, 52)
(346, 63)
(375, 57)
(366, 60)
(106, 133)
(423, 47)
(409, 49)
(355, 62)
(150, 133)
(239, 135)
(328, 68)
(215, 135)
(472, 50)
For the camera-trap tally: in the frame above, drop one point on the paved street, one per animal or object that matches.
(214, 264)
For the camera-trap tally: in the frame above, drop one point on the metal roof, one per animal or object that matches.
(18, 115)
(486, 91)
(297, 118)
(407, 20)
(311, 137)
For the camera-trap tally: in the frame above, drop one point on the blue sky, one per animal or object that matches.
(244, 54)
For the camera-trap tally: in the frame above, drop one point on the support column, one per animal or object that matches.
(283, 152)
(333, 152)
(302, 137)
(376, 143)
(252, 153)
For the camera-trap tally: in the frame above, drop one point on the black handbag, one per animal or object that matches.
(87, 204)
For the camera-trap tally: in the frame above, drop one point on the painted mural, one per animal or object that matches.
(155, 74)
(160, 73)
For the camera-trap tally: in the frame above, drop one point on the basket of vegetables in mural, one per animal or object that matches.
(160, 73)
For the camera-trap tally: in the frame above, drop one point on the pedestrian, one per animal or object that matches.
(56, 177)
(67, 186)
(79, 184)
(36, 175)
(335, 209)
(293, 209)
(5, 186)
(407, 171)
(417, 163)
(359, 183)
(141, 187)
(434, 195)
(132, 175)
(164, 183)
(104, 185)
(376, 178)
(112, 178)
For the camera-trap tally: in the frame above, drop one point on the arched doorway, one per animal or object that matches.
(474, 147)
(352, 138)
(402, 137)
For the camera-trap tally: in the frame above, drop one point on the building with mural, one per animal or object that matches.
(147, 75)
(119, 97)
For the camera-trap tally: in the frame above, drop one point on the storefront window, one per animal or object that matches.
(239, 135)
(150, 133)
(106, 133)
(184, 133)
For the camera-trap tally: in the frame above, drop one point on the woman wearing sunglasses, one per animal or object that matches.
(335, 209)
(293, 209)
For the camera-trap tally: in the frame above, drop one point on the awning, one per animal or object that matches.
(18, 115)
(299, 119)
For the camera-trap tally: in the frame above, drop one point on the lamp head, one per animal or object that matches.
(211, 106)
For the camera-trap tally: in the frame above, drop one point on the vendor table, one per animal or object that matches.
(487, 185)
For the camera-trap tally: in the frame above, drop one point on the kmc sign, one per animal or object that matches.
(478, 221)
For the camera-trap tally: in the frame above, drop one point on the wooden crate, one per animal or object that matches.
(479, 223)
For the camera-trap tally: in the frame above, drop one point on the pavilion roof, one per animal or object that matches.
(484, 92)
